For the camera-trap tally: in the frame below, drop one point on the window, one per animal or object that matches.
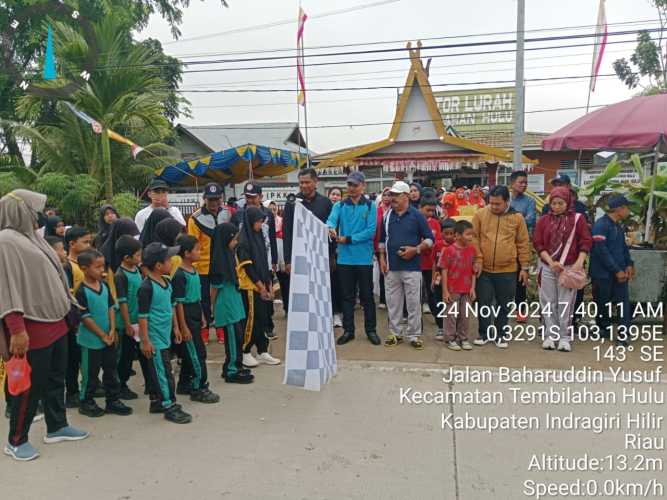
(586, 163)
(567, 164)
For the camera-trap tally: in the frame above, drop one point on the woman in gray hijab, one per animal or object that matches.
(34, 301)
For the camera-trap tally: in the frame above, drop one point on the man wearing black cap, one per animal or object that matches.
(611, 266)
(201, 225)
(564, 180)
(312, 201)
(157, 192)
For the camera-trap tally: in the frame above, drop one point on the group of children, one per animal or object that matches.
(144, 302)
(449, 277)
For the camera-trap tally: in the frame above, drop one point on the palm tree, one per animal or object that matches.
(126, 94)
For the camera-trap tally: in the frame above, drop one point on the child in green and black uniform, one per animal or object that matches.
(156, 321)
(187, 294)
(128, 280)
(229, 311)
(96, 338)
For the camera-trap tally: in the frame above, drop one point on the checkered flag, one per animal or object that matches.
(310, 360)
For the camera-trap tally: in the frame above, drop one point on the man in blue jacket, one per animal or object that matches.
(352, 224)
(611, 267)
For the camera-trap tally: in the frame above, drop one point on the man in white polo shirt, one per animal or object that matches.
(157, 192)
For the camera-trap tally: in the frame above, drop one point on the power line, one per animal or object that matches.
(434, 56)
(384, 87)
(395, 49)
(283, 22)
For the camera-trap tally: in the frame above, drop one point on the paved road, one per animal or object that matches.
(353, 440)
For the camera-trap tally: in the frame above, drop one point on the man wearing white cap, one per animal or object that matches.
(405, 233)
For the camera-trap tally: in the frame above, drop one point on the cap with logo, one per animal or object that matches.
(251, 189)
(212, 190)
(400, 187)
(158, 184)
(617, 200)
(356, 178)
(158, 252)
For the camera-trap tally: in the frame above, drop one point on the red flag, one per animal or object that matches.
(600, 44)
(301, 97)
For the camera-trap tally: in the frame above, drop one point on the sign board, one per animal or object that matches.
(478, 109)
(536, 183)
(627, 174)
(185, 198)
(278, 193)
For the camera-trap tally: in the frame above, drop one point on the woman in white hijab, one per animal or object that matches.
(34, 302)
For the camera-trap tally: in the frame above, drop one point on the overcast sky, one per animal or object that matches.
(395, 21)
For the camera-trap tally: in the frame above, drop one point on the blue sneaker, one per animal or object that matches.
(22, 453)
(67, 433)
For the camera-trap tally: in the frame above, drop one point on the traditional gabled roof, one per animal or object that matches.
(418, 78)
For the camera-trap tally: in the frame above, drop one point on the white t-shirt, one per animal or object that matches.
(144, 213)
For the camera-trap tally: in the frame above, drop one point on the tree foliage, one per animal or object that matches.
(647, 62)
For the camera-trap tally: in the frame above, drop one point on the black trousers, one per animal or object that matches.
(256, 323)
(383, 299)
(607, 293)
(433, 296)
(91, 362)
(283, 280)
(162, 378)
(128, 351)
(193, 352)
(336, 292)
(73, 362)
(206, 298)
(233, 349)
(502, 288)
(49, 365)
(351, 277)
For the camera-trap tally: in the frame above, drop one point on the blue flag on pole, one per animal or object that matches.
(49, 59)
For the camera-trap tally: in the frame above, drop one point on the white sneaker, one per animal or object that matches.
(337, 321)
(249, 360)
(426, 309)
(564, 345)
(382, 306)
(440, 335)
(502, 344)
(480, 342)
(466, 346)
(267, 359)
(548, 345)
(453, 346)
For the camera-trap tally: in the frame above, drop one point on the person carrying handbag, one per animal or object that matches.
(562, 239)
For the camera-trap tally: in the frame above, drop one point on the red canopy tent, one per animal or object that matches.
(638, 124)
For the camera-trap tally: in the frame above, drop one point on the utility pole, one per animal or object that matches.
(520, 89)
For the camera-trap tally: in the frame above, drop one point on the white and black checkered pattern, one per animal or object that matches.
(310, 359)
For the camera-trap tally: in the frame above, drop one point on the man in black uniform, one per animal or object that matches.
(313, 201)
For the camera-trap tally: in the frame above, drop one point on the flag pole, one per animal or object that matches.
(298, 106)
(517, 141)
(305, 101)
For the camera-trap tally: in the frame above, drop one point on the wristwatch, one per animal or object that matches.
(419, 250)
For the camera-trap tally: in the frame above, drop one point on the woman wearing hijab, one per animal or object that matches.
(450, 205)
(476, 198)
(34, 301)
(148, 235)
(118, 228)
(415, 194)
(108, 215)
(229, 310)
(257, 284)
(54, 227)
(166, 232)
(551, 239)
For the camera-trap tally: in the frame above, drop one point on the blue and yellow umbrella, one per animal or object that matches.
(233, 165)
